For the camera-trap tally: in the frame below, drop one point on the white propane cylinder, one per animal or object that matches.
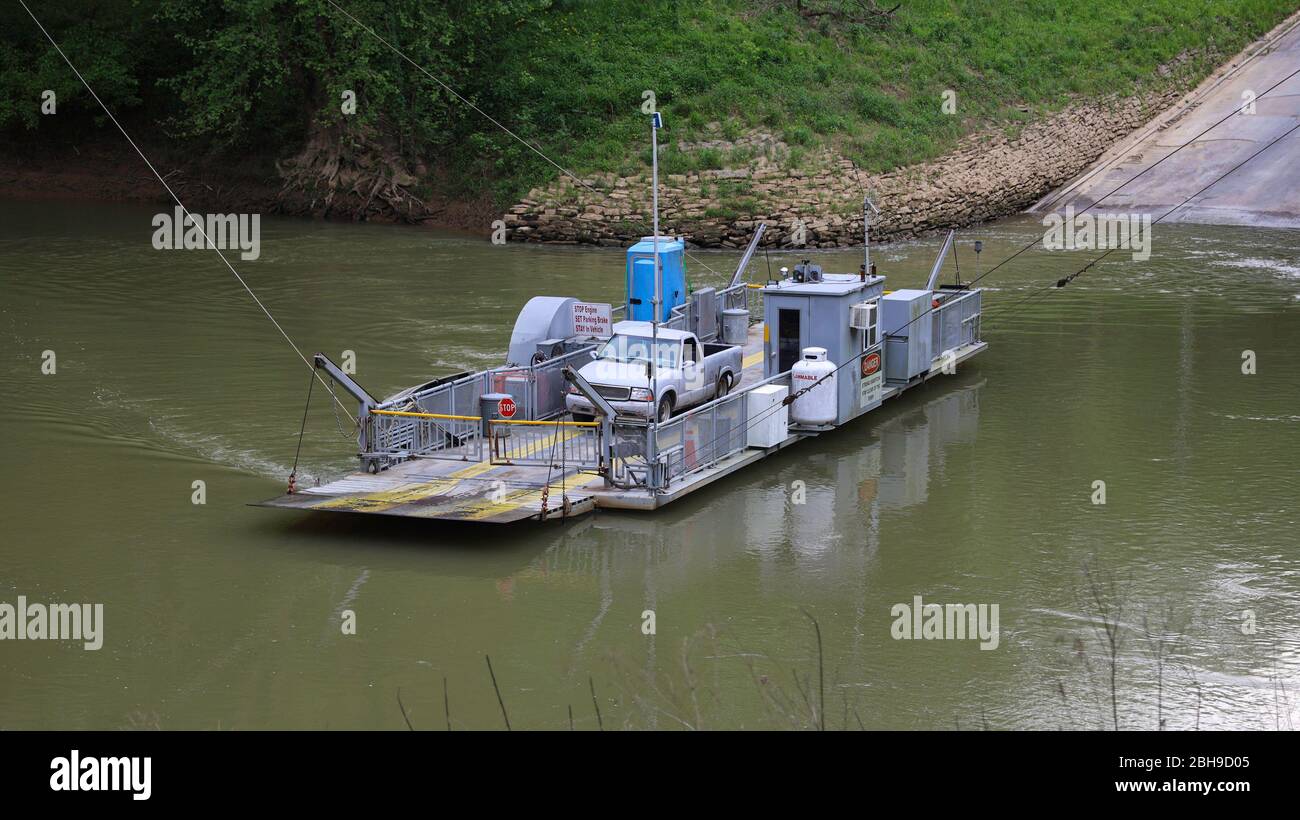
(818, 406)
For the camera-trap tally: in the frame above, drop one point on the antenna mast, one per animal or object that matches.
(868, 208)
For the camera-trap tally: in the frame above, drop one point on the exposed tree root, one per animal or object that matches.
(345, 172)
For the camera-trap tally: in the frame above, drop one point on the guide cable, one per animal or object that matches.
(198, 223)
(1060, 283)
(293, 473)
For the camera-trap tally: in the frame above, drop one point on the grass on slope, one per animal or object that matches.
(874, 93)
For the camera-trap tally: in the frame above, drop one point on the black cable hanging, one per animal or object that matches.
(293, 474)
(550, 463)
(1060, 283)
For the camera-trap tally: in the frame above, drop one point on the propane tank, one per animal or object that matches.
(819, 405)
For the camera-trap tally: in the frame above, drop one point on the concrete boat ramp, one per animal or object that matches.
(1255, 101)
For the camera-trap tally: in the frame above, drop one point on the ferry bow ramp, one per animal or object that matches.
(496, 494)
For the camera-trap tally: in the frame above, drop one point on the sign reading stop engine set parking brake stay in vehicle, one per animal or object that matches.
(872, 381)
(593, 319)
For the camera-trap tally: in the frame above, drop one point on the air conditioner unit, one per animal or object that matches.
(862, 316)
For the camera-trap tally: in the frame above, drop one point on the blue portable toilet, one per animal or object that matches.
(641, 277)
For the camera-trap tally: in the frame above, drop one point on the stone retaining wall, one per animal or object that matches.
(988, 176)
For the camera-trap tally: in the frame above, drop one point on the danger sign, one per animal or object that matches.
(870, 364)
(872, 382)
(506, 408)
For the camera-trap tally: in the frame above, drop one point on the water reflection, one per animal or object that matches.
(815, 508)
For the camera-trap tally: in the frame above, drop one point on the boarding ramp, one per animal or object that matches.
(435, 489)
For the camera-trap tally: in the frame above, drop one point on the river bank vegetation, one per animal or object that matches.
(265, 87)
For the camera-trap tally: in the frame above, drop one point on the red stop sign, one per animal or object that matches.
(506, 407)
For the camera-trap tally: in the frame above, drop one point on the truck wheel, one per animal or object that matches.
(583, 417)
(666, 408)
(724, 386)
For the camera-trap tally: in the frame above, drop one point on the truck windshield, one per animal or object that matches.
(629, 349)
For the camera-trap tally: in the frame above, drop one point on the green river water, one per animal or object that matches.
(976, 488)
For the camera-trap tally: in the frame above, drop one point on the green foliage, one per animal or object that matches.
(260, 69)
(99, 44)
(568, 76)
(799, 135)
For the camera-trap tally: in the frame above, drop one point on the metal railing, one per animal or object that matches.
(398, 435)
(442, 421)
(394, 436)
(956, 322)
(679, 317)
(700, 438)
(742, 295)
(643, 455)
(556, 443)
(538, 389)
(628, 465)
(459, 397)
(547, 386)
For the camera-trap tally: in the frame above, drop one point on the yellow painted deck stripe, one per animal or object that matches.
(469, 507)
(751, 360)
(387, 499)
(474, 470)
(530, 496)
(485, 508)
(546, 443)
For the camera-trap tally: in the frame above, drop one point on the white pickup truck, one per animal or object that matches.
(688, 372)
